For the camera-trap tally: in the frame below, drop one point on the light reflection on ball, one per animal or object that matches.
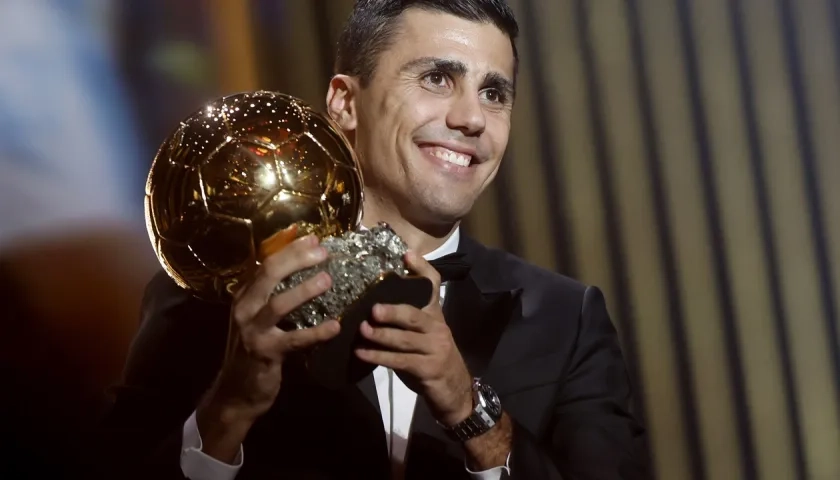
(237, 173)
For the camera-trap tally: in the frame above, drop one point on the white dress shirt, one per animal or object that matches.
(393, 396)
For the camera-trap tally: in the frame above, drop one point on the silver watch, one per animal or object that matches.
(486, 413)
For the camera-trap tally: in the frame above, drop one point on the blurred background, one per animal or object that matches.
(680, 154)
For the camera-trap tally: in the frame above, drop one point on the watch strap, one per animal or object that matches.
(476, 424)
(469, 428)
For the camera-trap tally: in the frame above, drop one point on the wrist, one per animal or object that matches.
(492, 448)
(459, 407)
(222, 429)
(462, 408)
(485, 415)
(225, 402)
(223, 416)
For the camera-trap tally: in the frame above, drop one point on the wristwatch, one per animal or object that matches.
(486, 413)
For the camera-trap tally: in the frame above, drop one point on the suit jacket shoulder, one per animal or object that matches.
(561, 374)
(545, 295)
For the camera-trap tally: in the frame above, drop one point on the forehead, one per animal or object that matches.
(483, 47)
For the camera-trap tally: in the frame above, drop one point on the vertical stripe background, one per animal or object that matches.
(682, 155)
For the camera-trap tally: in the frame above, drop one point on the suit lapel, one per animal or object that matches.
(477, 321)
(477, 318)
(479, 308)
(368, 387)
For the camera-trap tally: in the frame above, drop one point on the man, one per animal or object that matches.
(519, 373)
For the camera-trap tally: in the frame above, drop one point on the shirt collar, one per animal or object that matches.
(449, 246)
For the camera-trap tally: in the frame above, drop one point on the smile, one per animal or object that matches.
(451, 156)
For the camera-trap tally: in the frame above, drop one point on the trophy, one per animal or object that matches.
(244, 176)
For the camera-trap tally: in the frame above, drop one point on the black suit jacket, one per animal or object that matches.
(543, 341)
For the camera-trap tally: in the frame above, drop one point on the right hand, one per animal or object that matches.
(250, 377)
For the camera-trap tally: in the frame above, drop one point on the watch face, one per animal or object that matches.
(491, 402)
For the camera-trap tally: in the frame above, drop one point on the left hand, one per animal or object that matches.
(421, 350)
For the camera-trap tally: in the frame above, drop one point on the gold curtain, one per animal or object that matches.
(680, 154)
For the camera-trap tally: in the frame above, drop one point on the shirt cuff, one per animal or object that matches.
(492, 474)
(196, 465)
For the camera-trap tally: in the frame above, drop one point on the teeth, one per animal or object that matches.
(452, 157)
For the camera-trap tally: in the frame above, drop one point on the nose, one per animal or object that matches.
(467, 115)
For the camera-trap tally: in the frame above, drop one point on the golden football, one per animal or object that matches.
(238, 174)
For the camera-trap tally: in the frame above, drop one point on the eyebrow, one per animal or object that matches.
(457, 68)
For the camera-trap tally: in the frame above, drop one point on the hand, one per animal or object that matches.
(249, 380)
(421, 350)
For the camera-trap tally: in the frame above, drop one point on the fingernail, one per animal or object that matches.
(323, 280)
(378, 309)
(319, 253)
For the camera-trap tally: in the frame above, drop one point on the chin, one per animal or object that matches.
(444, 214)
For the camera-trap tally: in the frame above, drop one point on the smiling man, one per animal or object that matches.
(510, 372)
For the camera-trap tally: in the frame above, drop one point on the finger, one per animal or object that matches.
(402, 362)
(303, 339)
(419, 265)
(395, 339)
(284, 303)
(302, 253)
(401, 316)
(264, 344)
(274, 343)
(277, 242)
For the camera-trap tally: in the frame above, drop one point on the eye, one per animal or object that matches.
(494, 96)
(436, 79)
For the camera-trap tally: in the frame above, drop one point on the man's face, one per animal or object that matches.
(433, 123)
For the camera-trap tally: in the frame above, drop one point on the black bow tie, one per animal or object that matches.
(451, 267)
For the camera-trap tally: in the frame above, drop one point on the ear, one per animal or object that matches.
(341, 102)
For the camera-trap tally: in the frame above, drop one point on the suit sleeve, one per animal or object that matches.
(172, 361)
(592, 434)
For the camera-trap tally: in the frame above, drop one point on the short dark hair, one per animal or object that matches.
(372, 25)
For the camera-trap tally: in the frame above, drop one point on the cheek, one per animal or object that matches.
(396, 118)
(416, 116)
(498, 131)
(420, 108)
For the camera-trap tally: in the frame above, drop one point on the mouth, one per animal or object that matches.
(458, 156)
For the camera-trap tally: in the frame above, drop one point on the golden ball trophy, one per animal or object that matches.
(238, 180)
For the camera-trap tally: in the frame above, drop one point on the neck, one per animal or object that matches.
(420, 238)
